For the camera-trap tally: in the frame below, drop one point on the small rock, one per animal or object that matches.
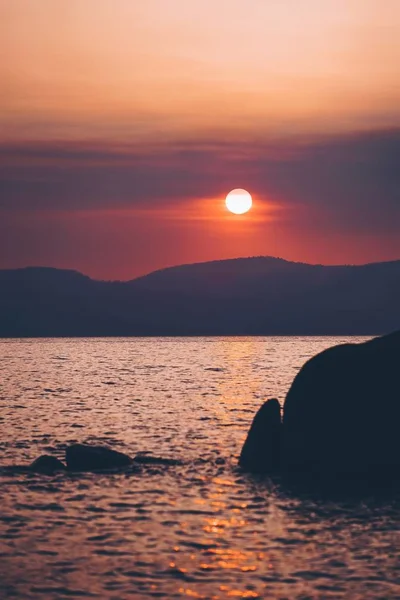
(81, 457)
(47, 464)
(145, 459)
(261, 452)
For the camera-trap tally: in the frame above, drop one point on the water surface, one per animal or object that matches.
(201, 529)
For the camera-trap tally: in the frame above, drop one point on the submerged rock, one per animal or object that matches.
(261, 452)
(81, 457)
(47, 464)
(341, 415)
(145, 459)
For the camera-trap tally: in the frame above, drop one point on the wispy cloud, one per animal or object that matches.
(350, 182)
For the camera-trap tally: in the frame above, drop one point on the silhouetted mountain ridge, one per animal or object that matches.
(245, 296)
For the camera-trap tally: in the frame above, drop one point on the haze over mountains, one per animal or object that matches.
(246, 296)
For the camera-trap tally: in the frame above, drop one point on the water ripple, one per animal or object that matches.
(194, 527)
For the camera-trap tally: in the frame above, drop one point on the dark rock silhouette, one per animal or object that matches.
(261, 450)
(341, 415)
(146, 459)
(47, 464)
(81, 457)
(86, 458)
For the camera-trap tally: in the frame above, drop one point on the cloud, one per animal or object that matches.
(349, 183)
(352, 182)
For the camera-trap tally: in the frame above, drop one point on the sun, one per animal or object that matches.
(238, 201)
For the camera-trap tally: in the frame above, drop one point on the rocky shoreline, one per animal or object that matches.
(341, 416)
(341, 419)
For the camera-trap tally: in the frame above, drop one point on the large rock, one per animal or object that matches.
(81, 457)
(47, 464)
(341, 415)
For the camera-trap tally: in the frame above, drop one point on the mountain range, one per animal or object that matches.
(244, 296)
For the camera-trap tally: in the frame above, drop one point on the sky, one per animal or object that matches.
(123, 125)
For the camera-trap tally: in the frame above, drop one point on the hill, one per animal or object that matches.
(246, 296)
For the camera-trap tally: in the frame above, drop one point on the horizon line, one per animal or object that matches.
(220, 260)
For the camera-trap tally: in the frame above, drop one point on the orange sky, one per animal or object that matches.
(124, 123)
(120, 68)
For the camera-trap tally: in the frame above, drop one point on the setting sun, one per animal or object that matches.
(238, 201)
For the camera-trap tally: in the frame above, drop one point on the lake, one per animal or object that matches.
(200, 529)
